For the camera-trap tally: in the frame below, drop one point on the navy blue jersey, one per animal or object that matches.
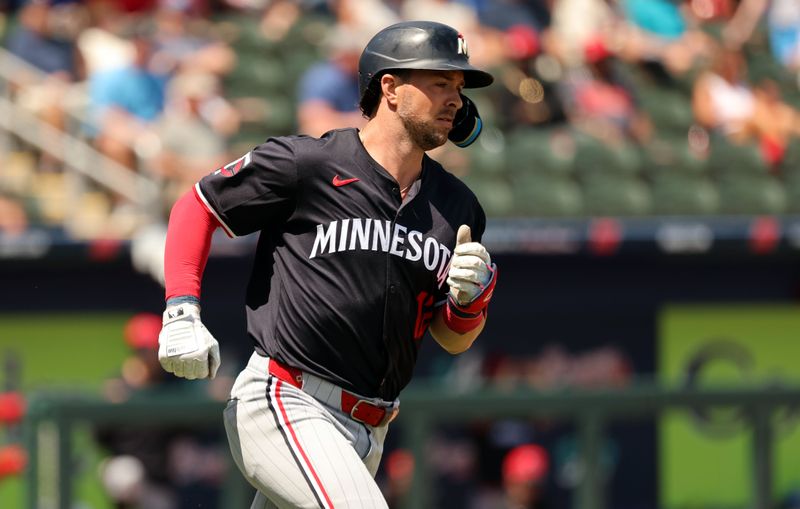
(346, 276)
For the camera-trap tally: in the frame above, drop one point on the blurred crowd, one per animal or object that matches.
(600, 107)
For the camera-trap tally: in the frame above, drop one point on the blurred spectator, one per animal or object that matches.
(662, 31)
(193, 132)
(13, 217)
(443, 11)
(723, 101)
(524, 473)
(102, 45)
(42, 41)
(181, 40)
(13, 460)
(328, 91)
(46, 38)
(727, 104)
(399, 475)
(127, 100)
(783, 22)
(367, 15)
(150, 466)
(529, 76)
(574, 23)
(782, 27)
(503, 14)
(600, 102)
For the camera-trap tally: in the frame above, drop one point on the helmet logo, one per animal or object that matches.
(462, 46)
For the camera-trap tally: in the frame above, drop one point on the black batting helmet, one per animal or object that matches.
(417, 45)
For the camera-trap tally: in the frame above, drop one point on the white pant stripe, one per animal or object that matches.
(278, 409)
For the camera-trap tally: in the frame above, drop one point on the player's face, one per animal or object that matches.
(428, 105)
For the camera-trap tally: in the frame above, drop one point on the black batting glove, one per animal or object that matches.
(467, 125)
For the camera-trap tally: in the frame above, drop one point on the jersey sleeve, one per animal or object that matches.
(254, 191)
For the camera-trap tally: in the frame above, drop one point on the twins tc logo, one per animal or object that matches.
(231, 169)
(462, 46)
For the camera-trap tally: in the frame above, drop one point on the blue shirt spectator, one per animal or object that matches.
(660, 17)
(32, 42)
(328, 91)
(132, 89)
(328, 82)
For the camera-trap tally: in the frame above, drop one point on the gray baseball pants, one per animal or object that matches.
(297, 447)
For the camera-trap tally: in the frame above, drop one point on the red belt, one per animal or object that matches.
(359, 409)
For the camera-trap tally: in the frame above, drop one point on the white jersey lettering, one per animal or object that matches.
(430, 253)
(325, 238)
(356, 234)
(360, 233)
(380, 233)
(343, 235)
(397, 239)
(415, 251)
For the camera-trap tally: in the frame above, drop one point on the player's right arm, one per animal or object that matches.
(186, 347)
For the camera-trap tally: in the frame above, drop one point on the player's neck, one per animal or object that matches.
(395, 152)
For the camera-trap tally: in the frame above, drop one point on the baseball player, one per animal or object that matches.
(364, 244)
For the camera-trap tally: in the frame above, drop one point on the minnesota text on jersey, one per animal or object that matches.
(375, 235)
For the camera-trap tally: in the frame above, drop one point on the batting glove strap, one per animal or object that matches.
(459, 321)
(464, 318)
(482, 299)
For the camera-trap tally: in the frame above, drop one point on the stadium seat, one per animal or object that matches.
(593, 157)
(487, 159)
(670, 110)
(540, 151)
(672, 155)
(752, 194)
(727, 158)
(684, 194)
(792, 188)
(546, 195)
(494, 193)
(616, 195)
(256, 75)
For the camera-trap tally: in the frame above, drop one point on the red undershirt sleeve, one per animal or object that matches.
(189, 232)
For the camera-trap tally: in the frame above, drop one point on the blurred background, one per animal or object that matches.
(640, 170)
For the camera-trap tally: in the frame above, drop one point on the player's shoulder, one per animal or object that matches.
(305, 145)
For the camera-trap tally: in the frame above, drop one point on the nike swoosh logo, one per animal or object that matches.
(339, 182)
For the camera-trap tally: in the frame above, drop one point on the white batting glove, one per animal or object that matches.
(185, 347)
(471, 269)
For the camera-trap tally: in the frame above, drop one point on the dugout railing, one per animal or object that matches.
(52, 417)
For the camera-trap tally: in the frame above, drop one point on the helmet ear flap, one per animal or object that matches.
(467, 125)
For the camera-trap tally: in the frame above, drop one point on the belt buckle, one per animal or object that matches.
(389, 413)
(355, 407)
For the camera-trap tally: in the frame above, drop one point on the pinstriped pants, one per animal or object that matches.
(296, 447)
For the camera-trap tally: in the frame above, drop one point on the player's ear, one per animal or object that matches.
(389, 85)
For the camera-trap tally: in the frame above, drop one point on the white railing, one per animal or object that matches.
(77, 155)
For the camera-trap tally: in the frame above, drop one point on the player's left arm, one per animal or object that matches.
(471, 278)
